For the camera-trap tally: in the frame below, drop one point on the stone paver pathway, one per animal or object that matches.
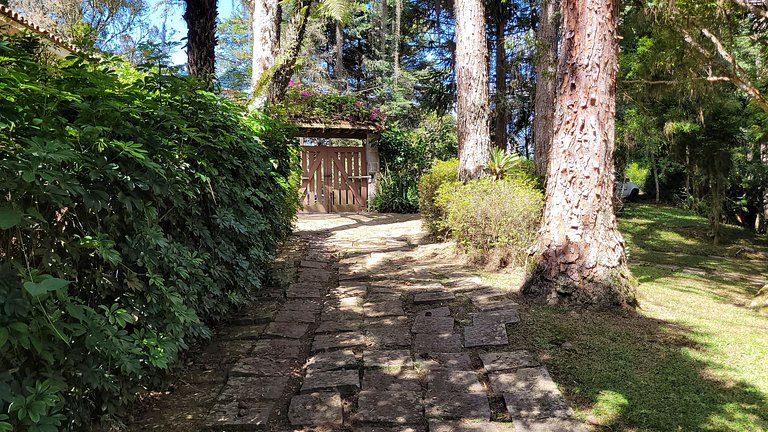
(368, 334)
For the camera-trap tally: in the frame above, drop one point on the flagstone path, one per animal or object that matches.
(370, 332)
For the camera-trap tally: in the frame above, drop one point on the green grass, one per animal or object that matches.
(692, 358)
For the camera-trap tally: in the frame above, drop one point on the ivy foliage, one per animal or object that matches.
(136, 209)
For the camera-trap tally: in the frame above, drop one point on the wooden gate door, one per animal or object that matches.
(333, 179)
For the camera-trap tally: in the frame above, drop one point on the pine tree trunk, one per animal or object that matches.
(472, 88)
(200, 16)
(383, 28)
(762, 218)
(284, 71)
(501, 77)
(580, 258)
(398, 17)
(656, 180)
(338, 66)
(266, 44)
(546, 83)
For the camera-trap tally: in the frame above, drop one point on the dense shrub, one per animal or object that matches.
(135, 209)
(397, 194)
(413, 150)
(430, 182)
(310, 103)
(492, 220)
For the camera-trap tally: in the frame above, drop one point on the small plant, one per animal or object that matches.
(501, 163)
(441, 172)
(398, 193)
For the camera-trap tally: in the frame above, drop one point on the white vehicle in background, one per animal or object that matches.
(627, 191)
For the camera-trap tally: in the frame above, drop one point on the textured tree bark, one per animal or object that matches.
(383, 28)
(396, 56)
(502, 115)
(472, 88)
(338, 64)
(200, 16)
(580, 258)
(762, 226)
(284, 70)
(266, 44)
(546, 83)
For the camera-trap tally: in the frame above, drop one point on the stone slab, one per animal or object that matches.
(497, 304)
(450, 405)
(386, 321)
(401, 407)
(292, 330)
(263, 366)
(314, 264)
(332, 360)
(247, 332)
(537, 404)
(434, 362)
(501, 361)
(303, 291)
(324, 342)
(314, 275)
(433, 325)
(338, 326)
(455, 381)
(388, 336)
(330, 380)
(391, 379)
(239, 414)
(435, 296)
(278, 348)
(443, 311)
(470, 426)
(485, 335)
(525, 379)
(548, 425)
(410, 428)
(504, 316)
(426, 343)
(385, 308)
(316, 409)
(253, 388)
(303, 305)
(294, 316)
(387, 359)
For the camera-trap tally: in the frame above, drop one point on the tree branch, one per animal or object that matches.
(756, 10)
(735, 73)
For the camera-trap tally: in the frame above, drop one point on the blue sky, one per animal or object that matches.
(176, 24)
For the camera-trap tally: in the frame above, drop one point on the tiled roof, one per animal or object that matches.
(13, 16)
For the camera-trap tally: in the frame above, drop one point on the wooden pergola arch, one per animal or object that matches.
(337, 179)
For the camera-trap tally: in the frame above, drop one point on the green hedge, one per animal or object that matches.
(429, 183)
(136, 208)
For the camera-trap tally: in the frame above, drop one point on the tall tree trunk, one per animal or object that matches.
(472, 88)
(762, 226)
(200, 16)
(266, 44)
(656, 180)
(501, 76)
(396, 59)
(338, 65)
(580, 258)
(383, 28)
(546, 83)
(284, 71)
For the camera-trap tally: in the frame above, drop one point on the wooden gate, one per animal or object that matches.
(333, 179)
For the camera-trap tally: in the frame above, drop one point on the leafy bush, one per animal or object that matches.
(135, 209)
(497, 219)
(414, 150)
(430, 182)
(398, 193)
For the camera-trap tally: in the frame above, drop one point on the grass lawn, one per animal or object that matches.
(692, 358)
